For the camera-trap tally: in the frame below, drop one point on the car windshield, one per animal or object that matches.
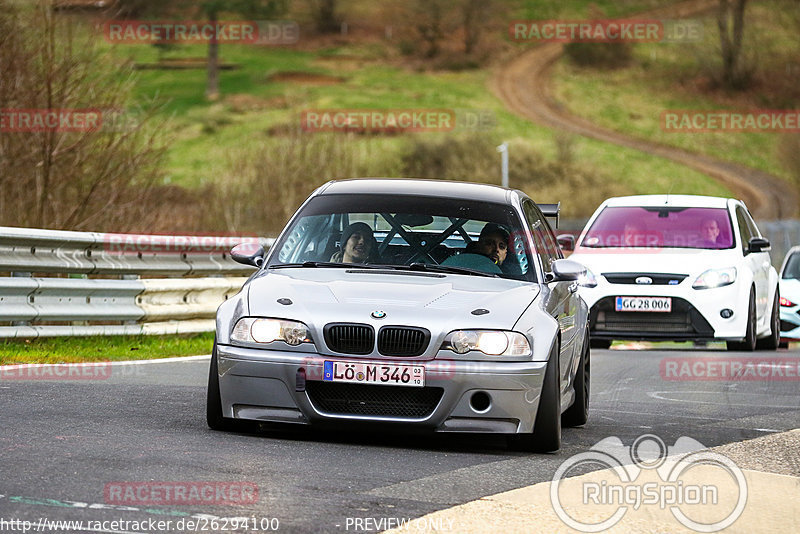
(407, 233)
(792, 269)
(661, 227)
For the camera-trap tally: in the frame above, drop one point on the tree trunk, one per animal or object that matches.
(212, 86)
(731, 40)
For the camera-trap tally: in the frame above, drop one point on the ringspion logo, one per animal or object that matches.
(703, 491)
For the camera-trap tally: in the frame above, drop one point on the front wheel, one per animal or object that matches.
(578, 413)
(600, 343)
(749, 343)
(546, 435)
(773, 341)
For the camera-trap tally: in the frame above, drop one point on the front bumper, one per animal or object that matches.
(263, 385)
(696, 313)
(790, 323)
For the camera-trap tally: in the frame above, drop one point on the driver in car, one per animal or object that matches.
(493, 243)
(358, 245)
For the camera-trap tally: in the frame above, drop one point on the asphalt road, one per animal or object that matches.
(63, 442)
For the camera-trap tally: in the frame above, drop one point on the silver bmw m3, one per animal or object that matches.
(437, 304)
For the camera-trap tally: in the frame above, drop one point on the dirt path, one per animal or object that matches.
(524, 85)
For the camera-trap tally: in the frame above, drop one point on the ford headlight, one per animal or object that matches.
(256, 330)
(715, 278)
(491, 342)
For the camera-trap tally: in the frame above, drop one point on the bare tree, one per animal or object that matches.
(730, 20)
(212, 9)
(79, 178)
(429, 21)
(474, 14)
(325, 15)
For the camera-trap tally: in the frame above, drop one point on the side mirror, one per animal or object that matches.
(566, 270)
(758, 244)
(566, 241)
(251, 254)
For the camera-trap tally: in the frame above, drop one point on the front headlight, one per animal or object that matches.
(256, 330)
(587, 279)
(490, 342)
(715, 278)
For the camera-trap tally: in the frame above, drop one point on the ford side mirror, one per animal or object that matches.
(758, 244)
(251, 254)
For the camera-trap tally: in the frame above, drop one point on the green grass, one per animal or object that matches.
(103, 348)
(665, 76)
(207, 136)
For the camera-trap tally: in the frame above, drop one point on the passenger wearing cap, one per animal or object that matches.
(357, 246)
(493, 243)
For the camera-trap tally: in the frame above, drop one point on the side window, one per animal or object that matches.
(538, 228)
(745, 229)
(552, 244)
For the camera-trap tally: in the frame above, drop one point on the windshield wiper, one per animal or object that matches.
(427, 267)
(312, 264)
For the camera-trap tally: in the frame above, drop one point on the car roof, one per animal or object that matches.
(688, 201)
(430, 188)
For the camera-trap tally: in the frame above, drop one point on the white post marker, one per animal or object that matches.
(503, 149)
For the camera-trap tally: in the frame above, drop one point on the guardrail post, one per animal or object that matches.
(21, 275)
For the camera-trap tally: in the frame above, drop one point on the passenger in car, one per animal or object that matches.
(358, 245)
(493, 243)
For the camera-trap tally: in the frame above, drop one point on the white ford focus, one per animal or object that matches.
(678, 267)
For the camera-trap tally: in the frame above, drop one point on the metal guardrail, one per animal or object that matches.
(56, 251)
(32, 305)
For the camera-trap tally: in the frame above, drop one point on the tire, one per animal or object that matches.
(600, 343)
(578, 413)
(772, 341)
(783, 345)
(749, 343)
(214, 416)
(546, 435)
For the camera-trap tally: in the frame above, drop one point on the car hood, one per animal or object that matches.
(672, 261)
(435, 302)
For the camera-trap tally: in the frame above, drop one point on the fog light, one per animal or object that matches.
(726, 313)
(480, 401)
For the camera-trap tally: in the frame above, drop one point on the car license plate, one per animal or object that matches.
(643, 304)
(372, 373)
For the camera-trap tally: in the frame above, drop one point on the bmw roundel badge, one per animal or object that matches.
(378, 314)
